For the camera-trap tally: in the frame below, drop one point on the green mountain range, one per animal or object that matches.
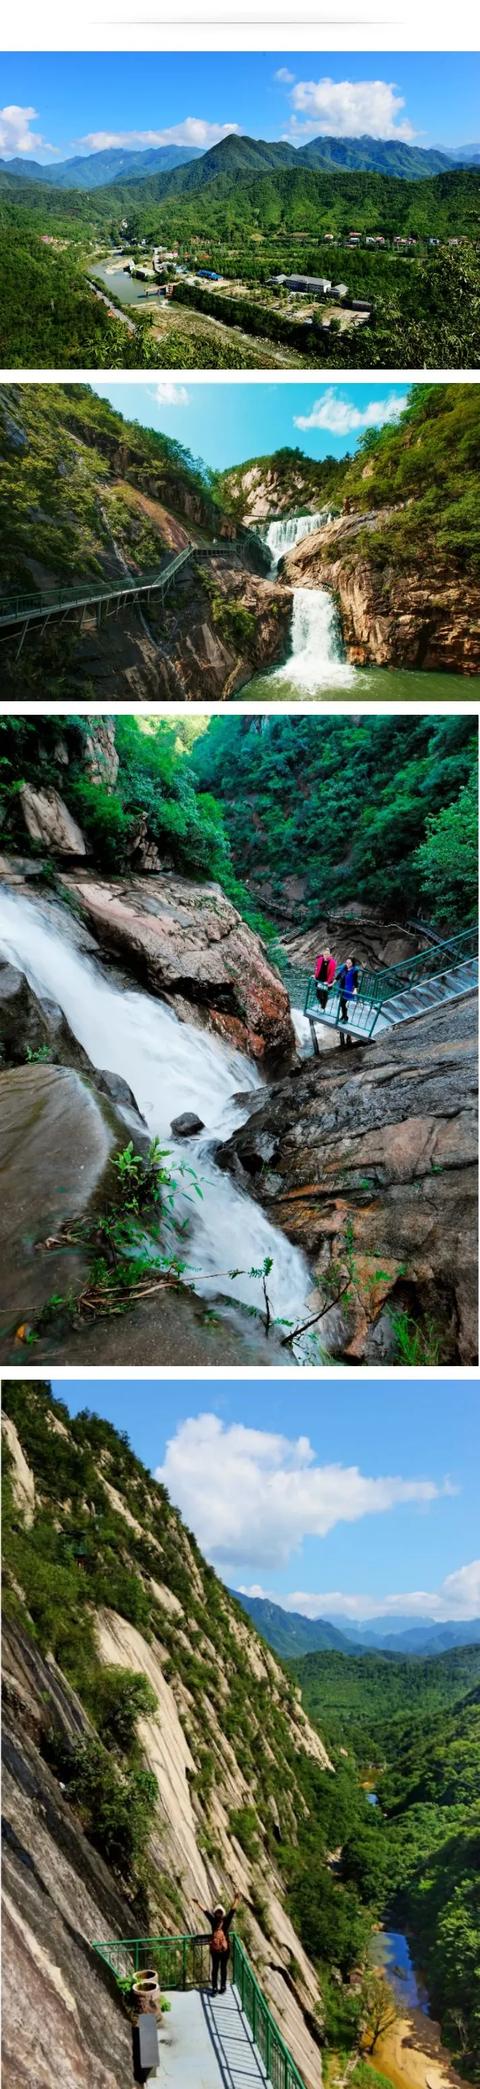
(287, 1631)
(242, 155)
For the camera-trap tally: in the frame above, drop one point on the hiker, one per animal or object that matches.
(325, 969)
(220, 1924)
(347, 985)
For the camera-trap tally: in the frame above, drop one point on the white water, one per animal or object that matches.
(315, 661)
(171, 1067)
(283, 536)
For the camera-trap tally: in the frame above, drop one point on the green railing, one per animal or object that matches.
(184, 1962)
(16, 609)
(411, 971)
(280, 2068)
(377, 989)
(180, 1961)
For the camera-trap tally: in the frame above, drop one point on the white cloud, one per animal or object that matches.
(171, 394)
(193, 131)
(285, 78)
(458, 1597)
(350, 109)
(16, 135)
(249, 1494)
(338, 416)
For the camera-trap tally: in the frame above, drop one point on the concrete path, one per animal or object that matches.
(205, 2043)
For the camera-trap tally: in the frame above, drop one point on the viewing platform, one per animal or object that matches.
(206, 2041)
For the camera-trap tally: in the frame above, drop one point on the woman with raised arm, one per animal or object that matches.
(220, 1924)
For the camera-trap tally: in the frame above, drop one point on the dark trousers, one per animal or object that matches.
(322, 994)
(344, 1008)
(219, 1966)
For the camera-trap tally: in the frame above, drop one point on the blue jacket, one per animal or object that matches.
(347, 980)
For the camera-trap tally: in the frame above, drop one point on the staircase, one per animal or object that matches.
(206, 2041)
(446, 971)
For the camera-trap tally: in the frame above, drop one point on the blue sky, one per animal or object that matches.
(68, 103)
(228, 423)
(346, 1499)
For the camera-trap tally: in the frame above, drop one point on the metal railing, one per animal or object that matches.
(184, 1962)
(17, 609)
(411, 971)
(280, 2068)
(377, 990)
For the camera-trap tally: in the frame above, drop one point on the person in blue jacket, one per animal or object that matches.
(347, 987)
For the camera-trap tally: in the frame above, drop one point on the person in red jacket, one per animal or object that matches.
(325, 970)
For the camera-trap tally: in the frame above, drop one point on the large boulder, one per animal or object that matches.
(48, 821)
(368, 1161)
(56, 1141)
(31, 1026)
(188, 944)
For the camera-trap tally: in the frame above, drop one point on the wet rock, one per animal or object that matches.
(420, 615)
(56, 1141)
(48, 820)
(187, 1125)
(188, 943)
(377, 1159)
(31, 1026)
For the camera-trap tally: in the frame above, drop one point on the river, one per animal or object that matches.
(130, 290)
(171, 1066)
(317, 665)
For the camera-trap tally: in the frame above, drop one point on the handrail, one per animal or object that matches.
(20, 608)
(280, 2067)
(376, 988)
(15, 607)
(182, 1961)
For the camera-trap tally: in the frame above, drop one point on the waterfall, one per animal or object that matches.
(170, 1066)
(315, 662)
(283, 536)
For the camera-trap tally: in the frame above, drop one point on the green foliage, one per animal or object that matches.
(378, 781)
(447, 859)
(116, 1809)
(243, 1824)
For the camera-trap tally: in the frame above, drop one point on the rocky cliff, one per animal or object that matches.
(368, 1160)
(88, 495)
(187, 943)
(420, 613)
(224, 1739)
(287, 483)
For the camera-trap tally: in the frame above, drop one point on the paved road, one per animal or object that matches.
(205, 2043)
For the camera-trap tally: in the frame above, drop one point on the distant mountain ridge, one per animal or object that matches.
(94, 170)
(242, 156)
(292, 1635)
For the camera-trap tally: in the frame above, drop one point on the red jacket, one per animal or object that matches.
(330, 968)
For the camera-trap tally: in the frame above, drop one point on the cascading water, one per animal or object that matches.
(171, 1067)
(316, 660)
(283, 536)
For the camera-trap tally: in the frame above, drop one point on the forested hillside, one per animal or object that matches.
(397, 798)
(221, 798)
(252, 206)
(415, 1726)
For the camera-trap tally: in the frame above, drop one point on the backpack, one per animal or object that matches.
(219, 1941)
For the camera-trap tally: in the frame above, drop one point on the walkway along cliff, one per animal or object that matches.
(138, 1769)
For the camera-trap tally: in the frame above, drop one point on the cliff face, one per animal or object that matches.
(189, 944)
(287, 484)
(225, 1733)
(421, 613)
(367, 1159)
(87, 495)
